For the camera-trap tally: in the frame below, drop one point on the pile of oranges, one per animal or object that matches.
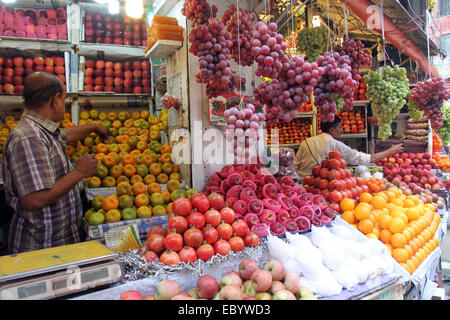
(403, 223)
(375, 185)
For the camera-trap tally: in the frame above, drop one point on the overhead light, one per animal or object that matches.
(114, 6)
(316, 21)
(134, 8)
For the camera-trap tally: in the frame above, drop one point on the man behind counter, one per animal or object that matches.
(315, 149)
(41, 185)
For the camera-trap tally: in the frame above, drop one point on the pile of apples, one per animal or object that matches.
(250, 282)
(352, 122)
(413, 169)
(14, 70)
(119, 77)
(199, 228)
(119, 30)
(333, 180)
(295, 131)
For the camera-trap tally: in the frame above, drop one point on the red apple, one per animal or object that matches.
(49, 69)
(207, 286)
(128, 74)
(8, 88)
(109, 72)
(98, 88)
(137, 90)
(18, 71)
(89, 72)
(49, 61)
(18, 61)
(99, 73)
(88, 80)
(100, 64)
(131, 295)
(138, 74)
(9, 63)
(127, 65)
(18, 89)
(276, 269)
(17, 80)
(90, 64)
(128, 83)
(118, 73)
(247, 267)
(261, 280)
(98, 81)
(60, 70)
(109, 65)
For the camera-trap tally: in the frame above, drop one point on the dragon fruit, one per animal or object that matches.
(291, 225)
(215, 177)
(294, 213)
(287, 181)
(262, 229)
(289, 192)
(249, 184)
(303, 223)
(328, 212)
(253, 168)
(240, 207)
(224, 187)
(234, 179)
(251, 219)
(319, 200)
(272, 204)
(325, 220)
(286, 203)
(234, 191)
(283, 215)
(307, 212)
(230, 201)
(227, 170)
(255, 206)
(270, 191)
(247, 194)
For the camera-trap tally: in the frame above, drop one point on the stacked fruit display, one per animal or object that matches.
(333, 181)
(352, 122)
(360, 92)
(306, 107)
(166, 28)
(425, 195)
(403, 223)
(288, 133)
(14, 70)
(199, 228)
(412, 168)
(119, 77)
(32, 23)
(249, 282)
(114, 29)
(266, 204)
(442, 160)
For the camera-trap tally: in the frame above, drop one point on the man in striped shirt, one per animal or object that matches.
(40, 182)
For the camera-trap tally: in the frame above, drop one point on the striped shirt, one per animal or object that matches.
(34, 159)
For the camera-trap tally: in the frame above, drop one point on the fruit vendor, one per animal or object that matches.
(315, 149)
(41, 184)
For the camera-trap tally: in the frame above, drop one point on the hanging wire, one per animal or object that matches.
(328, 25)
(428, 41)
(346, 12)
(382, 30)
(239, 50)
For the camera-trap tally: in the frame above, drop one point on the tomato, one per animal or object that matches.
(251, 239)
(228, 215)
(216, 201)
(179, 223)
(193, 237)
(173, 241)
(205, 251)
(155, 229)
(155, 242)
(182, 207)
(196, 219)
(222, 247)
(240, 227)
(188, 254)
(225, 231)
(149, 256)
(236, 243)
(210, 234)
(213, 217)
(169, 257)
(201, 203)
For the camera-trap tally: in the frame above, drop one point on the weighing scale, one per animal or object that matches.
(58, 271)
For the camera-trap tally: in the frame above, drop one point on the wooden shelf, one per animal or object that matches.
(30, 44)
(110, 51)
(301, 115)
(361, 102)
(163, 49)
(353, 136)
(293, 145)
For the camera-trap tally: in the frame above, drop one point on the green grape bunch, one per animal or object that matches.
(312, 41)
(388, 87)
(414, 111)
(444, 131)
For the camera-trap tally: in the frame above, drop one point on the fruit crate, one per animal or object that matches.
(143, 224)
(409, 146)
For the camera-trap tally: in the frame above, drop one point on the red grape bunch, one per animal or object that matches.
(429, 96)
(212, 46)
(242, 34)
(358, 56)
(242, 128)
(198, 11)
(268, 48)
(334, 90)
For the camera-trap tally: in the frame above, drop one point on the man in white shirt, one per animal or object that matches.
(315, 149)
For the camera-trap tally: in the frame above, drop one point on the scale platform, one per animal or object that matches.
(58, 271)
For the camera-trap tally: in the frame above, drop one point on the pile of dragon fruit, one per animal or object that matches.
(266, 204)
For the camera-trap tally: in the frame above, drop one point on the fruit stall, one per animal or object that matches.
(196, 195)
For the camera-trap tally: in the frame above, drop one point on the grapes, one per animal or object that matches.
(334, 90)
(312, 41)
(198, 11)
(358, 56)
(429, 96)
(388, 88)
(414, 111)
(444, 131)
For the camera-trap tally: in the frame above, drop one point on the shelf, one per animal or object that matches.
(353, 135)
(163, 49)
(304, 115)
(163, 7)
(110, 51)
(361, 102)
(25, 44)
(293, 145)
(114, 100)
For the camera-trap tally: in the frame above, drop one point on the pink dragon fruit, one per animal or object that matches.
(262, 229)
(303, 223)
(234, 179)
(316, 221)
(272, 204)
(304, 199)
(251, 219)
(270, 191)
(307, 212)
(224, 187)
(247, 194)
(286, 203)
(234, 191)
(255, 206)
(294, 213)
(240, 207)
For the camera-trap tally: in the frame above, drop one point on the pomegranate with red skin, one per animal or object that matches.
(169, 257)
(193, 237)
(213, 217)
(196, 219)
(179, 223)
(228, 215)
(201, 203)
(210, 234)
(205, 251)
(173, 241)
(149, 256)
(251, 239)
(240, 227)
(155, 242)
(188, 254)
(182, 207)
(236, 243)
(225, 231)
(222, 247)
(216, 201)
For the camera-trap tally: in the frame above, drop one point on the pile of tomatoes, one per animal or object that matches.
(199, 228)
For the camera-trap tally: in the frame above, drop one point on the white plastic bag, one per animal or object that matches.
(319, 235)
(278, 249)
(346, 278)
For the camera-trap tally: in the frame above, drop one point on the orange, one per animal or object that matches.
(397, 202)
(407, 234)
(348, 216)
(384, 220)
(430, 206)
(398, 240)
(409, 249)
(414, 245)
(378, 202)
(412, 213)
(373, 219)
(129, 170)
(421, 255)
(365, 197)
(138, 188)
(347, 204)
(372, 236)
(403, 217)
(385, 235)
(408, 203)
(141, 200)
(154, 187)
(411, 266)
(110, 202)
(365, 226)
(390, 195)
(396, 225)
(400, 255)
(128, 159)
(415, 261)
(396, 212)
(362, 212)
(136, 178)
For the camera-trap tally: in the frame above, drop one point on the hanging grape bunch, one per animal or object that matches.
(242, 34)
(334, 90)
(430, 96)
(268, 48)
(358, 56)
(414, 111)
(242, 124)
(212, 46)
(198, 11)
(312, 42)
(444, 131)
(388, 88)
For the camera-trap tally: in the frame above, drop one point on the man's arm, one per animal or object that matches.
(376, 157)
(76, 133)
